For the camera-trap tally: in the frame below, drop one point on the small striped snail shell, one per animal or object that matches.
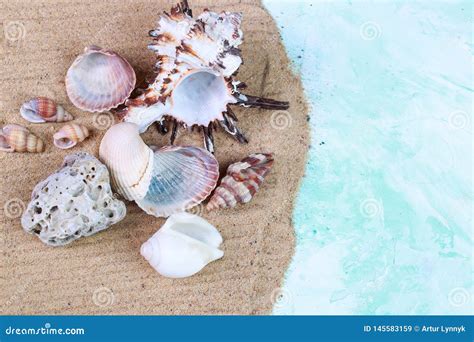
(42, 109)
(16, 138)
(69, 135)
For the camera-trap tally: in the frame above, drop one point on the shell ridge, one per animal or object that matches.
(181, 179)
(95, 88)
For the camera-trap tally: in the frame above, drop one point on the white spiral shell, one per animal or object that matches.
(183, 246)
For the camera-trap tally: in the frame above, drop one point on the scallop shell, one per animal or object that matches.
(182, 177)
(42, 109)
(69, 135)
(16, 138)
(183, 246)
(242, 181)
(99, 80)
(162, 182)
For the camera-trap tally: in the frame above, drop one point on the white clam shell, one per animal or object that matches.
(183, 246)
(162, 182)
(99, 80)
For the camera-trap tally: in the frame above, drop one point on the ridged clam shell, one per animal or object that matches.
(16, 138)
(99, 80)
(242, 181)
(183, 246)
(129, 160)
(42, 109)
(167, 181)
(69, 135)
(182, 177)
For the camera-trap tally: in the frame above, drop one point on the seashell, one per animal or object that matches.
(16, 138)
(74, 201)
(242, 181)
(162, 182)
(182, 246)
(194, 85)
(69, 135)
(99, 80)
(42, 109)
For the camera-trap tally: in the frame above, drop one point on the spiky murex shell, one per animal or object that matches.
(183, 46)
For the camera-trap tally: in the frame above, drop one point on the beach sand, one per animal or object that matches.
(105, 273)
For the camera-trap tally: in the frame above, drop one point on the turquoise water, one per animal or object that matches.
(384, 216)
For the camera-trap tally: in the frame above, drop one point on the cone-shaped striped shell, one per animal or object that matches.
(182, 177)
(99, 80)
(69, 135)
(42, 109)
(242, 181)
(16, 138)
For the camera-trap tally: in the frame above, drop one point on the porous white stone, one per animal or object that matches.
(75, 201)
